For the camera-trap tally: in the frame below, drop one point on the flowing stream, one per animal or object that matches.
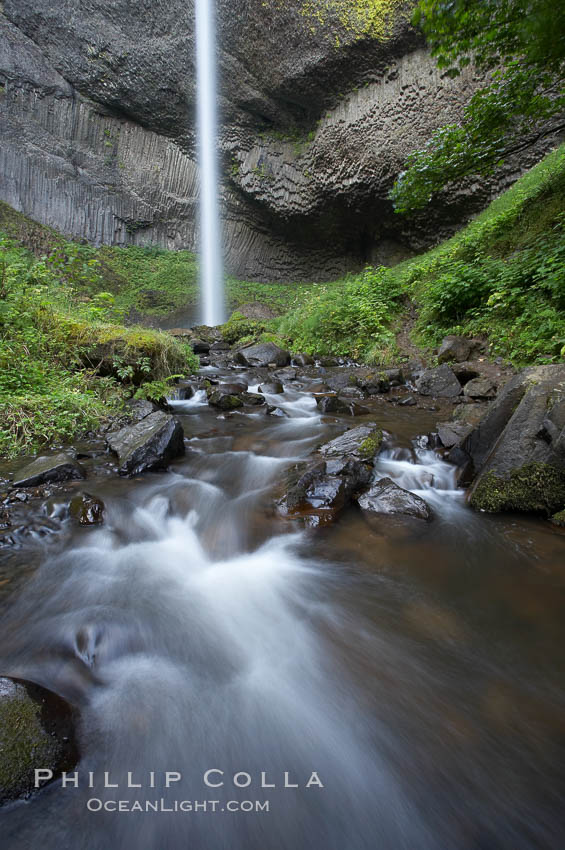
(413, 667)
(211, 265)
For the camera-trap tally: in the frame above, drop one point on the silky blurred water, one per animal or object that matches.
(415, 667)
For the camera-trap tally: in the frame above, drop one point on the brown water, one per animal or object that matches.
(417, 668)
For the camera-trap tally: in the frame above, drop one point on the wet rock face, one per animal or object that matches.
(98, 126)
(518, 448)
(480, 388)
(326, 488)
(386, 497)
(55, 468)
(453, 433)
(87, 510)
(36, 731)
(150, 444)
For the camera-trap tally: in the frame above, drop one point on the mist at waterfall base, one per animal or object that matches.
(210, 253)
(412, 665)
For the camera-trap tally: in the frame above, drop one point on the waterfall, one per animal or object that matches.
(211, 266)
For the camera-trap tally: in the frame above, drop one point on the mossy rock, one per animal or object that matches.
(559, 519)
(239, 327)
(369, 447)
(225, 401)
(36, 731)
(140, 354)
(533, 488)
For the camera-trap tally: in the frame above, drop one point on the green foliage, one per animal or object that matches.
(156, 391)
(60, 364)
(279, 296)
(503, 277)
(515, 43)
(239, 327)
(348, 317)
(149, 280)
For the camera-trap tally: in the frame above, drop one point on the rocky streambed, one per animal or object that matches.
(281, 569)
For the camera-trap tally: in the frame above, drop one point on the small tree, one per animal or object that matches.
(521, 45)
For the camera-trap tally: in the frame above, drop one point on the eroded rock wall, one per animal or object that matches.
(97, 131)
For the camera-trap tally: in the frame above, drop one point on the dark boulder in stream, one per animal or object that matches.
(86, 509)
(53, 468)
(263, 354)
(441, 382)
(271, 387)
(200, 346)
(335, 404)
(225, 399)
(149, 444)
(361, 443)
(325, 488)
(386, 497)
(36, 731)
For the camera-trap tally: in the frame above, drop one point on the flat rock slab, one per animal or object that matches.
(54, 468)
(453, 433)
(361, 443)
(149, 444)
(262, 354)
(36, 731)
(441, 382)
(480, 388)
(386, 497)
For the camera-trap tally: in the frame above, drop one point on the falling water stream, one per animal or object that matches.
(412, 666)
(211, 266)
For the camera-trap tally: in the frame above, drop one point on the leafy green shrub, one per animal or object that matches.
(348, 317)
(458, 289)
(55, 352)
(156, 391)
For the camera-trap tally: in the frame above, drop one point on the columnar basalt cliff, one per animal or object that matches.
(97, 132)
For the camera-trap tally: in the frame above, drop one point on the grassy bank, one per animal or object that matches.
(66, 363)
(146, 283)
(503, 276)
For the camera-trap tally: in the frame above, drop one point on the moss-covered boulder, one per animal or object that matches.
(559, 519)
(361, 443)
(36, 732)
(133, 354)
(518, 448)
(224, 400)
(533, 488)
